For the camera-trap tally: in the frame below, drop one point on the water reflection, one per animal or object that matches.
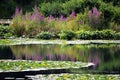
(6, 53)
(105, 57)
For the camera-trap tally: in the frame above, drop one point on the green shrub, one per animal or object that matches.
(53, 8)
(76, 5)
(28, 24)
(84, 35)
(18, 26)
(44, 35)
(108, 34)
(117, 36)
(104, 34)
(5, 31)
(97, 35)
(113, 2)
(110, 13)
(67, 35)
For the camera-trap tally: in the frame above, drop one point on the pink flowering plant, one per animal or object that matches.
(95, 18)
(28, 24)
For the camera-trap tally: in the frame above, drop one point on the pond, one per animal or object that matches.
(106, 57)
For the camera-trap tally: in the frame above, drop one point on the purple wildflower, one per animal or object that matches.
(51, 18)
(72, 14)
(32, 16)
(17, 12)
(62, 18)
(94, 18)
(36, 14)
(96, 12)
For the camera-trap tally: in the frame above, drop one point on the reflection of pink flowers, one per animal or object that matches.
(36, 57)
(62, 57)
(72, 59)
(94, 60)
(50, 56)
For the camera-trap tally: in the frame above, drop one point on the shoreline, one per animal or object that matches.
(38, 41)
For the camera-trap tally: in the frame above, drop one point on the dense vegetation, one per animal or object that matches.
(26, 65)
(66, 19)
(77, 77)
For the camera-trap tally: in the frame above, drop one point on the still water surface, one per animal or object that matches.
(106, 57)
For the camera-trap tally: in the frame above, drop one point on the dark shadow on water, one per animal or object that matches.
(6, 52)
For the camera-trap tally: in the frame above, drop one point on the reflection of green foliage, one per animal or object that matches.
(6, 41)
(110, 65)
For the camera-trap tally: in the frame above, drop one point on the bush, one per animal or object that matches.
(29, 24)
(67, 35)
(84, 35)
(110, 13)
(104, 34)
(117, 36)
(5, 32)
(48, 9)
(76, 5)
(97, 35)
(95, 19)
(113, 2)
(108, 34)
(44, 35)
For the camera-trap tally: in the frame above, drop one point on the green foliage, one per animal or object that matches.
(104, 34)
(108, 34)
(102, 16)
(5, 31)
(84, 35)
(92, 3)
(113, 2)
(111, 13)
(76, 5)
(53, 8)
(29, 24)
(117, 36)
(44, 35)
(97, 35)
(67, 35)
(18, 26)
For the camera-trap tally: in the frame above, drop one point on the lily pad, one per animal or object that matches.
(68, 76)
(20, 65)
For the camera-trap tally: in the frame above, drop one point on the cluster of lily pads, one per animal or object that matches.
(67, 76)
(41, 65)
